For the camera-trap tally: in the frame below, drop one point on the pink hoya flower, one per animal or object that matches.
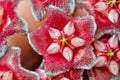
(40, 6)
(108, 54)
(102, 73)
(73, 74)
(10, 23)
(64, 42)
(10, 68)
(106, 13)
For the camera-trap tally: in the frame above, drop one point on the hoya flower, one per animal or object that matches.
(108, 54)
(39, 7)
(10, 68)
(10, 23)
(102, 73)
(64, 42)
(106, 13)
(73, 74)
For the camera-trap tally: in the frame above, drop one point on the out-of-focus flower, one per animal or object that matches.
(73, 74)
(10, 68)
(10, 23)
(107, 50)
(64, 42)
(39, 7)
(107, 15)
(108, 54)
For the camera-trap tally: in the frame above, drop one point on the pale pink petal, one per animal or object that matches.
(54, 33)
(64, 78)
(113, 16)
(67, 53)
(114, 67)
(69, 28)
(101, 60)
(53, 48)
(119, 5)
(101, 6)
(8, 75)
(1, 11)
(118, 55)
(77, 42)
(100, 46)
(113, 42)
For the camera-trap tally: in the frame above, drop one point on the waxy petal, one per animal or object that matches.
(101, 6)
(64, 78)
(54, 33)
(100, 46)
(101, 73)
(77, 42)
(10, 63)
(114, 67)
(101, 60)
(53, 48)
(10, 23)
(113, 16)
(56, 64)
(118, 54)
(85, 58)
(67, 53)
(39, 7)
(69, 29)
(7, 75)
(113, 41)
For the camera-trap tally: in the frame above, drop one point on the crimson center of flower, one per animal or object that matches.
(110, 54)
(112, 3)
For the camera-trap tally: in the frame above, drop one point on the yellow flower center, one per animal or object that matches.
(64, 40)
(110, 54)
(112, 3)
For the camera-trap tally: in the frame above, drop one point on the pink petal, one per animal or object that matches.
(67, 53)
(114, 67)
(53, 48)
(118, 54)
(6, 75)
(77, 42)
(85, 58)
(40, 40)
(10, 65)
(56, 64)
(69, 28)
(113, 16)
(57, 19)
(100, 46)
(42, 74)
(64, 78)
(1, 11)
(101, 6)
(113, 41)
(119, 5)
(101, 60)
(85, 28)
(54, 33)
(39, 7)
(101, 73)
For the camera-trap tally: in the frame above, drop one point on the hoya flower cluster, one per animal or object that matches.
(73, 48)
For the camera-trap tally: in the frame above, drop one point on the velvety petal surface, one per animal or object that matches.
(85, 58)
(11, 63)
(101, 74)
(10, 23)
(39, 7)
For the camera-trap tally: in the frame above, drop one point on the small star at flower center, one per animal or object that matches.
(64, 40)
(112, 3)
(110, 54)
